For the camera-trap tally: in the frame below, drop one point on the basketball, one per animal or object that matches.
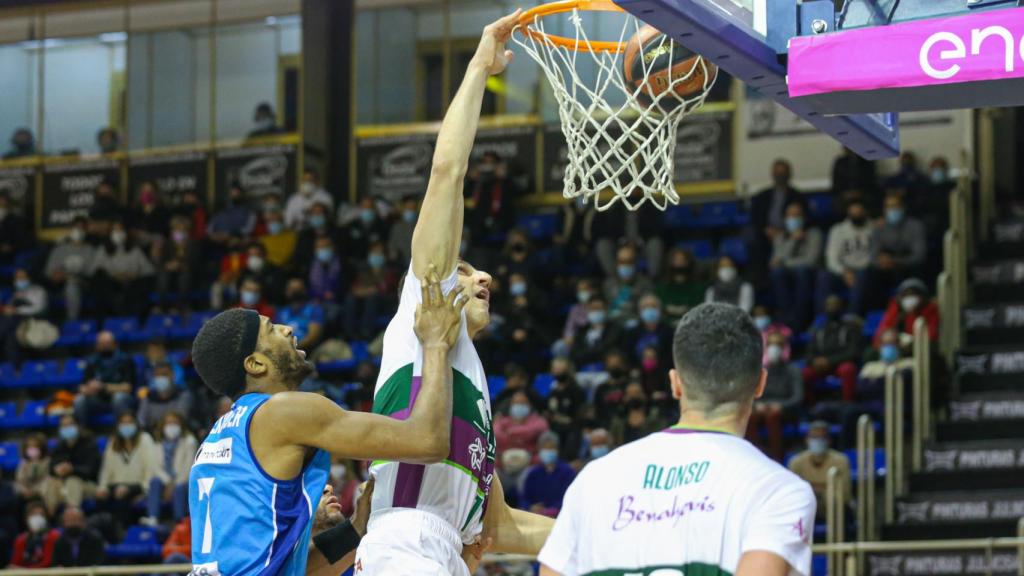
(665, 62)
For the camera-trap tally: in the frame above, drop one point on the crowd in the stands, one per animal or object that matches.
(578, 349)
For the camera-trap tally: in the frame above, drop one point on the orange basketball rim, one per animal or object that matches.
(527, 19)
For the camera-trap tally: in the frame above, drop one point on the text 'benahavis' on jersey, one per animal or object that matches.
(456, 489)
(684, 502)
(243, 521)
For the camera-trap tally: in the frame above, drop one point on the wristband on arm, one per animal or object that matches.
(335, 543)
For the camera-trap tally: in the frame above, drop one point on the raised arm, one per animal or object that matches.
(294, 420)
(438, 231)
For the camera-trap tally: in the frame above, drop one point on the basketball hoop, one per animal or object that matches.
(620, 137)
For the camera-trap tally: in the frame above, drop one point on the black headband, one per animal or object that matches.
(250, 334)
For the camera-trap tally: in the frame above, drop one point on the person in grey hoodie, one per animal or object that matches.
(847, 257)
(795, 257)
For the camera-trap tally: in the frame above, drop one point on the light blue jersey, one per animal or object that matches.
(243, 521)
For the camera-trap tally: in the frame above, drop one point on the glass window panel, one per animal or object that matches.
(20, 110)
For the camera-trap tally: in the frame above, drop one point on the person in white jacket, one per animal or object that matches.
(847, 257)
(175, 447)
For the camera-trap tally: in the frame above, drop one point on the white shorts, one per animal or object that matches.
(411, 543)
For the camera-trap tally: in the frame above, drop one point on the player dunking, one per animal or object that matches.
(696, 499)
(258, 477)
(422, 515)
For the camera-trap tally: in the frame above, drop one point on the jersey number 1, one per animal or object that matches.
(206, 491)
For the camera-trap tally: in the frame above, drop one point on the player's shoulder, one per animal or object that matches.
(765, 473)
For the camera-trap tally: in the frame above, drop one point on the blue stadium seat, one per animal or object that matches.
(33, 415)
(360, 350)
(701, 249)
(679, 217)
(70, 375)
(77, 333)
(871, 323)
(101, 443)
(9, 456)
(140, 543)
(819, 207)
(33, 373)
(829, 384)
(542, 384)
(158, 326)
(819, 565)
(8, 415)
(188, 329)
(734, 248)
(717, 214)
(177, 356)
(539, 226)
(7, 375)
(879, 462)
(495, 384)
(125, 328)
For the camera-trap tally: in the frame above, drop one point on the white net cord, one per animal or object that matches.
(628, 147)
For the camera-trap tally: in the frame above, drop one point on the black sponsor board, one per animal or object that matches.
(172, 175)
(991, 363)
(69, 189)
(952, 508)
(703, 153)
(18, 184)
(260, 170)
(948, 563)
(988, 409)
(1006, 272)
(395, 167)
(1008, 232)
(999, 316)
(989, 458)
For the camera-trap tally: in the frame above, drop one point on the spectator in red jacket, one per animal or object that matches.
(34, 548)
(178, 547)
(521, 427)
(910, 303)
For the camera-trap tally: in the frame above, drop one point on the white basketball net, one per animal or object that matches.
(628, 147)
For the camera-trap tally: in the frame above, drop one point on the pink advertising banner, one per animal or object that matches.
(985, 46)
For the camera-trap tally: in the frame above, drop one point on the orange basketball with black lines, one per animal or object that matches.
(652, 62)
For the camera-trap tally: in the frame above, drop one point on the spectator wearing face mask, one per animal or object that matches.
(599, 336)
(156, 357)
(129, 464)
(374, 288)
(225, 287)
(546, 482)
(517, 380)
(652, 331)
(271, 278)
(910, 303)
(834, 349)
(325, 272)
(850, 172)
(576, 320)
(121, 274)
(234, 222)
(194, 210)
(634, 421)
(680, 289)
(318, 225)
(563, 406)
(33, 472)
(264, 121)
(78, 544)
(521, 427)
(729, 288)
(68, 265)
(783, 395)
(400, 236)
(813, 464)
(250, 297)
(296, 212)
(175, 448)
(74, 466)
(163, 397)
(493, 194)
(108, 140)
(517, 256)
(768, 215)
(151, 219)
(608, 395)
(279, 242)
(366, 230)
(795, 257)
(898, 250)
(623, 290)
(28, 301)
(847, 256)
(177, 260)
(109, 381)
(106, 209)
(597, 444)
(765, 322)
(34, 547)
(304, 316)
(13, 232)
(888, 352)
(23, 144)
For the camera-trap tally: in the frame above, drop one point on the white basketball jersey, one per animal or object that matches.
(681, 502)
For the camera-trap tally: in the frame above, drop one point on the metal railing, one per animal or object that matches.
(865, 479)
(921, 394)
(894, 442)
(835, 518)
